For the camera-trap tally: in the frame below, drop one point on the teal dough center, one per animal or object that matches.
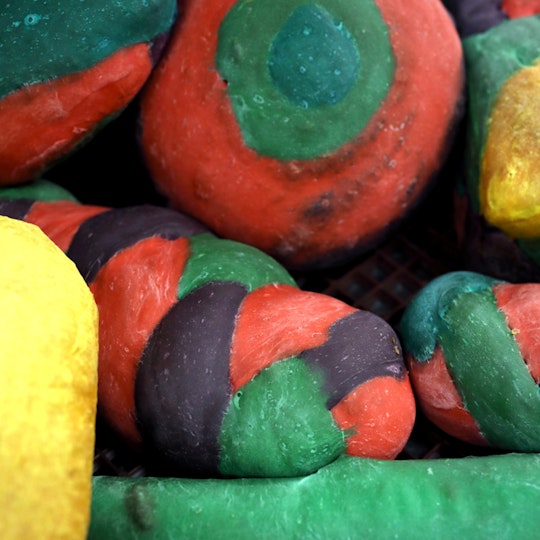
(313, 60)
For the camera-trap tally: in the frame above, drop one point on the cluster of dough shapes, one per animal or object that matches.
(213, 360)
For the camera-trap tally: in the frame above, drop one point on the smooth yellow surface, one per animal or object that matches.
(510, 174)
(48, 388)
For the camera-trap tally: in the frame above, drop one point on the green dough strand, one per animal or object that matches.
(469, 498)
(424, 317)
(217, 259)
(278, 424)
(39, 190)
(490, 373)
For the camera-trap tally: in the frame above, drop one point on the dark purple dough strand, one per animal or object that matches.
(187, 360)
(16, 209)
(102, 236)
(360, 347)
(475, 16)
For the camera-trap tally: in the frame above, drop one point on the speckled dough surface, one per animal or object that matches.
(213, 361)
(321, 125)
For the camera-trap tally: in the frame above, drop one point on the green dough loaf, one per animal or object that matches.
(477, 497)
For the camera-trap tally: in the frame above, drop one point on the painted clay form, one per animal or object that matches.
(471, 345)
(212, 359)
(307, 130)
(498, 215)
(67, 68)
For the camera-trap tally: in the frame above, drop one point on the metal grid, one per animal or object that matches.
(385, 281)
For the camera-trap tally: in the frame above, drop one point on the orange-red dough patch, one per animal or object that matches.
(371, 426)
(520, 8)
(520, 304)
(44, 121)
(133, 292)
(46, 215)
(440, 400)
(276, 322)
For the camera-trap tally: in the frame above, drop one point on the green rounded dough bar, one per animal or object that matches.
(475, 497)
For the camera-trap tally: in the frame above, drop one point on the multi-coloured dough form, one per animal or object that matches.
(211, 356)
(502, 163)
(472, 348)
(67, 68)
(307, 130)
(504, 79)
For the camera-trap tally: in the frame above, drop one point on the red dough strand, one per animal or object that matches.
(39, 121)
(519, 303)
(520, 8)
(46, 215)
(276, 322)
(133, 290)
(440, 400)
(378, 431)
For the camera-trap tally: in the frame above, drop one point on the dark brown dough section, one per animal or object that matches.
(360, 347)
(102, 236)
(16, 209)
(187, 359)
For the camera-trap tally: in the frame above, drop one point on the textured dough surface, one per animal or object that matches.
(48, 372)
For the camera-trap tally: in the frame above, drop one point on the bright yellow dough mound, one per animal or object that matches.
(48, 388)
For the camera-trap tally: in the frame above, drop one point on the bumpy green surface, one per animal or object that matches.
(278, 425)
(470, 498)
(41, 39)
(313, 61)
(39, 190)
(486, 364)
(459, 312)
(424, 317)
(314, 72)
(218, 259)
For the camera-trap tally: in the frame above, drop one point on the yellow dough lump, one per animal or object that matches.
(48, 393)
